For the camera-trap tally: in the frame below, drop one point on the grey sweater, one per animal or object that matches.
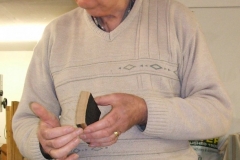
(158, 53)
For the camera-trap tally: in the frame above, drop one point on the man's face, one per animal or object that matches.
(98, 8)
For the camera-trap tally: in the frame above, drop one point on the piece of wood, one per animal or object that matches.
(12, 150)
(4, 152)
(87, 111)
(231, 147)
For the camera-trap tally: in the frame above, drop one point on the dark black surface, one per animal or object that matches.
(92, 113)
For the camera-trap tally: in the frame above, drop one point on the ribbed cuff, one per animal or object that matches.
(45, 155)
(158, 117)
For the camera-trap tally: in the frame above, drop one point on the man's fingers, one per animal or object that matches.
(64, 138)
(108, 121)
(44, 115)
(70, 157)
(103, 144)
(51, 133)
(61, 152)
(105, 100)
(97, 137)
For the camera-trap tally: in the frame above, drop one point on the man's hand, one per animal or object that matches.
(56, 140)
(127, 110)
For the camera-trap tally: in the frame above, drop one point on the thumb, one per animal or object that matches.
(104, 100)
(44, 114)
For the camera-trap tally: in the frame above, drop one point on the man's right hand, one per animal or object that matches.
(56, 140)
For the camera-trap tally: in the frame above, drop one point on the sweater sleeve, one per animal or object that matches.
(203, 109)
(38, 88)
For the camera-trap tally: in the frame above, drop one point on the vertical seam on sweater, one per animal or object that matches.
(159, 52)
(148, 29)
(138, 32)
(168, 26)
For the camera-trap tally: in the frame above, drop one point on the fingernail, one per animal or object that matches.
(77, 140)
(33, 106)
(86, 131)
(76, 156)
(79, 131)
(83, 136)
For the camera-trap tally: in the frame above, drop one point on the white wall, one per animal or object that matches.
(13, 66)
(221, 27)
(222, 31)
(211, 3)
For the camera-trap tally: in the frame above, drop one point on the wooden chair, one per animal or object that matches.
(12, 150)
(4, 152)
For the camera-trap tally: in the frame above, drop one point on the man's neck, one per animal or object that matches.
(110, 22)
